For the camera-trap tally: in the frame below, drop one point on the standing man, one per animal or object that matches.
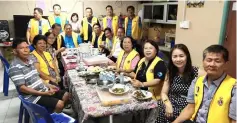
(70, 38)
(57, 17)
(111, 21)
(211, 98)
(37, 25)
(87, 24)
(133, 24)
(116, 47)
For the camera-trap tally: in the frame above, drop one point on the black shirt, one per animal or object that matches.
(55, 44)
(96, 40)
(159, 71)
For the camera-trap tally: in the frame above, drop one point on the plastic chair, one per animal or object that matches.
(39, 114)
(6, 77)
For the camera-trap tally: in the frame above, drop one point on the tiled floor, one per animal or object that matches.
(9, 105)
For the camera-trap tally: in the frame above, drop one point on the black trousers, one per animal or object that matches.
(113, 59)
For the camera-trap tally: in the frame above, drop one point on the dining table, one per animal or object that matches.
(87, 104)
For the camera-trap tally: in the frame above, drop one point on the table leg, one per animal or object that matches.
(110, 118)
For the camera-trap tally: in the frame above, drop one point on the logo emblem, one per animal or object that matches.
(220, 101)
(128, 61)
(159, 74)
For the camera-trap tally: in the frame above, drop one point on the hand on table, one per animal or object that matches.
(136, 83)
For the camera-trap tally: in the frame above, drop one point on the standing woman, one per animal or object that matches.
(150, 72)
(75, 23)
(176, 85)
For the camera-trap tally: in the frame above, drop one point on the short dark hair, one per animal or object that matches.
(97, 25)
(89, 8)
(39, 37)
(39, 10)
(108, 29)
(47, 34)
(17, 41)
(153, 43)
(132, 40)
(131, 7)
(55, 25)
(122, 29)
(109, 6)
(75, 14)
(67, 24)
(56, 5)
(217, 49)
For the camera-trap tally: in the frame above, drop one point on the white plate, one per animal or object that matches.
(146, 93)
(125, 87)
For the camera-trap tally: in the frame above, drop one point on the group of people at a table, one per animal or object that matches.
(184, 93)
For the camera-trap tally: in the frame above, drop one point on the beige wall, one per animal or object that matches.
(204, 28)
(10, 8)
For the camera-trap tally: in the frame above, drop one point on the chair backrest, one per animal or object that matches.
(36, 111)
(5, 63)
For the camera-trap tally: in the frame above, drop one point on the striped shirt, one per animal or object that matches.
(26, 74)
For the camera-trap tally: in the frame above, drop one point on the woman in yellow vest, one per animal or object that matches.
(87, 24)
(128, 56)
(111, 21)
(150, 71)
(211, 98)
(43, 61)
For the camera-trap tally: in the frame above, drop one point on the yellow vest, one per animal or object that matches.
(108, 42)
(43, 64)
(74, 38)
(128, 60)
(99, 42)
(219, 107)
(136, 31)
(59, 41)
(63, 18)
(115, 24)
(34, 27)
(156, 90)
(85, 27)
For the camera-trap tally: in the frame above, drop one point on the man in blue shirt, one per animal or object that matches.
(71, 39)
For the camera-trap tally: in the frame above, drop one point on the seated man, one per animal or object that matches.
(70, 38)
(27, 80)
(211, 98)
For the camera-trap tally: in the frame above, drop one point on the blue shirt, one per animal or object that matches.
(129, 26)
(69, 41)
(58, 20)
(209, 92)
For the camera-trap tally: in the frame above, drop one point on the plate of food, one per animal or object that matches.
(119, 89)
(142, 94)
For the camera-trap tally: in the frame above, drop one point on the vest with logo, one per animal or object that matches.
(85, 26)
(43, 65)
(115, 23)
(219, 107)
(156, 90)
(63, 18)
(136, 31)
(128, 59)
(74, 38)
(34, 27)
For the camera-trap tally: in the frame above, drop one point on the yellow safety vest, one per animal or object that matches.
(34, 27)
(74, 38)
(63, 18)
(99, 41)
(108, 42)
(115, 24)
(219, 107)
(156, 90)
(85, 26)
(59, 41)
(136, 31)
(43, 65)
(128, 60)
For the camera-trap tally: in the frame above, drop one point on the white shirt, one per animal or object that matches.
(117, 48)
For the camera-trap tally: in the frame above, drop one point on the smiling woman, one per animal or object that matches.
(149, 73)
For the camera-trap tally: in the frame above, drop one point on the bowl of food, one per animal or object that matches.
(142, 94)
(119, 89)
